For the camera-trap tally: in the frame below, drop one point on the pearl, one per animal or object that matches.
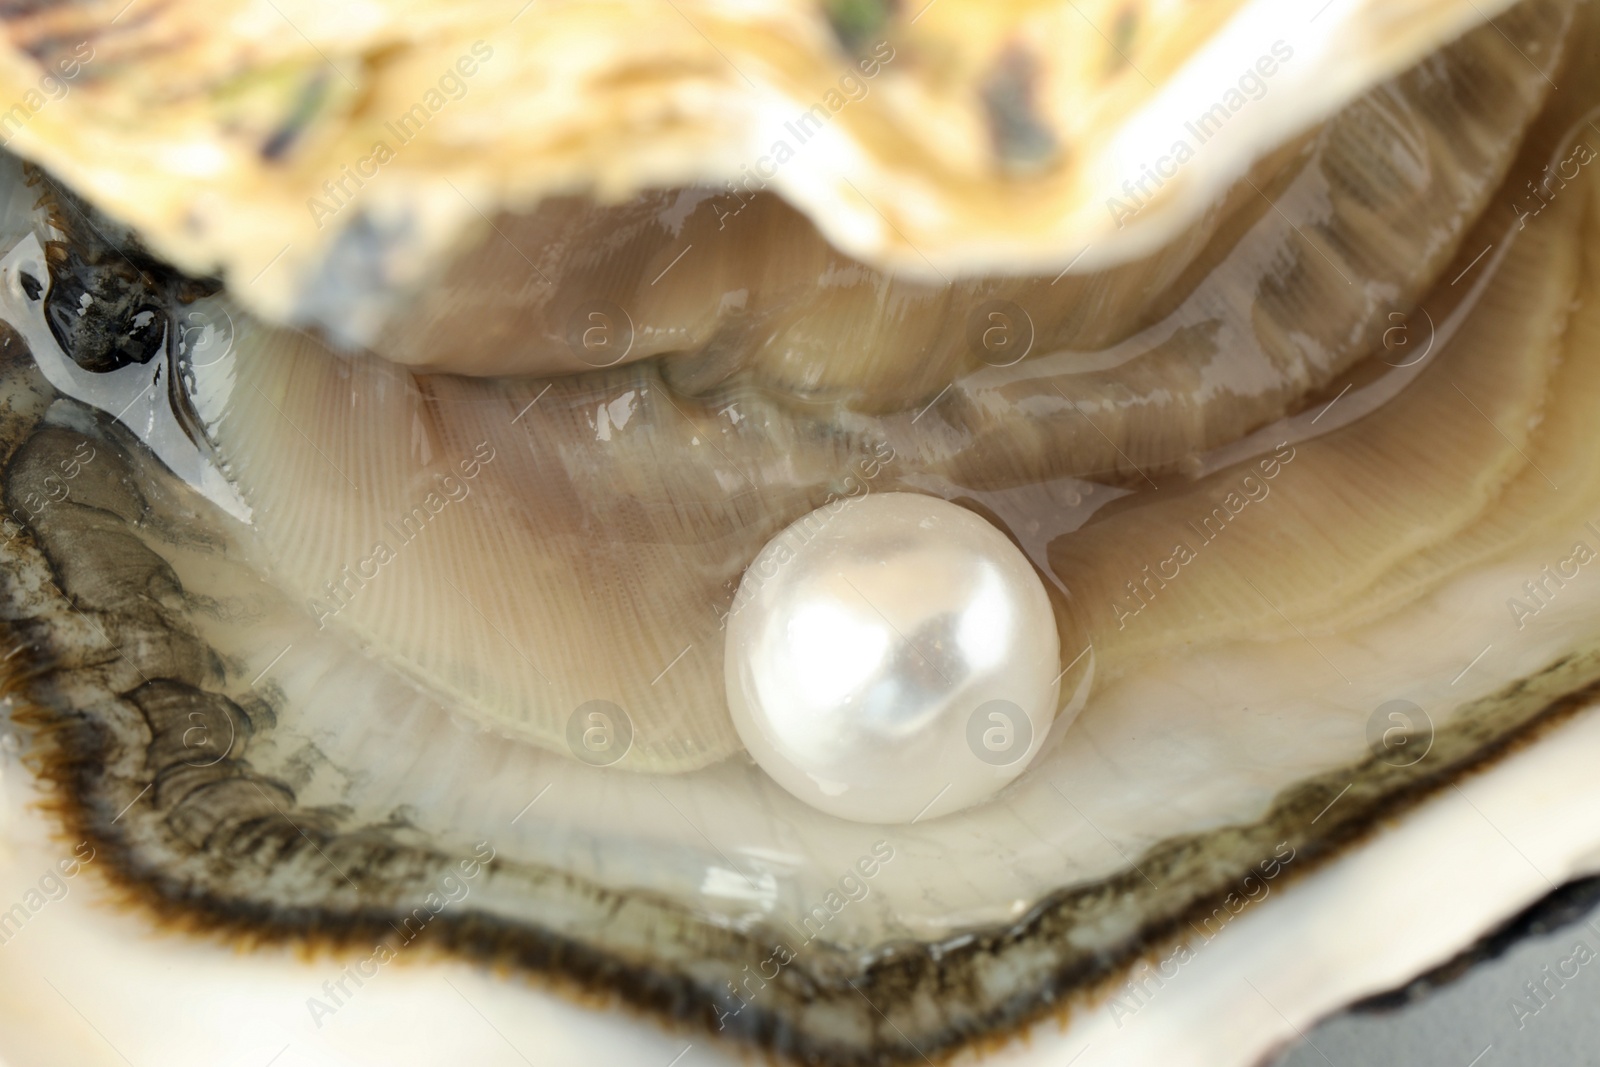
(892, 657)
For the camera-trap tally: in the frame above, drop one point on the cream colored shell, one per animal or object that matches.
(323, 157)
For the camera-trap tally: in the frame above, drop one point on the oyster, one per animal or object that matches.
(300, 637)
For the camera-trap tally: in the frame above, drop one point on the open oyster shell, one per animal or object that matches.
(1382, 588)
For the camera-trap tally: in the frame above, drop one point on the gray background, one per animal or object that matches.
(1471, 1021)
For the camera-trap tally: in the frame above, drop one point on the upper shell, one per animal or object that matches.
(323, 158)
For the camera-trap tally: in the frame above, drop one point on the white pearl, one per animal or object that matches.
(891, 657)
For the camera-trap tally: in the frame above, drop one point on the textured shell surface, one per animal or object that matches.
(939, 140)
